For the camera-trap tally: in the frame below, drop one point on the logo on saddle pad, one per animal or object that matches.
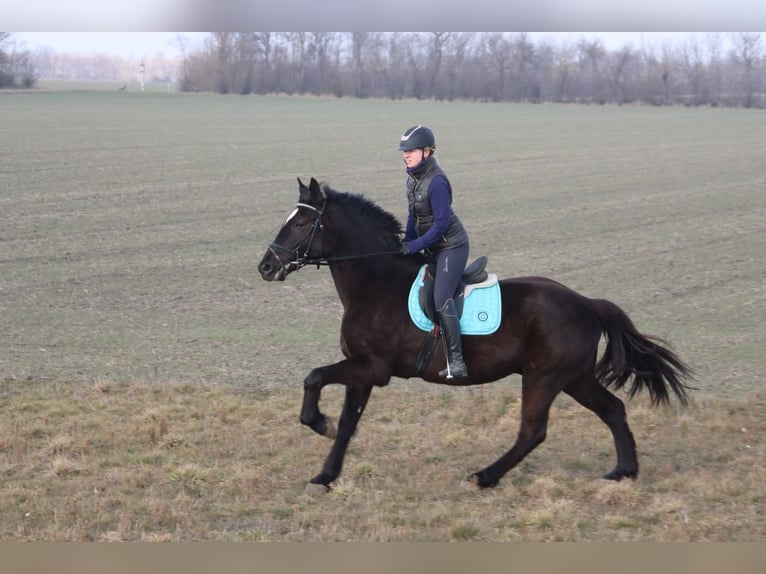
(477, 299)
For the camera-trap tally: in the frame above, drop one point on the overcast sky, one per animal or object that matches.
(147, 44)
(125, 44)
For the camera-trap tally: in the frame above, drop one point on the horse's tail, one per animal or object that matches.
(646, 358)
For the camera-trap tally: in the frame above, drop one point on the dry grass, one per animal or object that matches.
(177, 462)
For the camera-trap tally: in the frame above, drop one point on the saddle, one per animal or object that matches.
(473, 274)
(477, 300)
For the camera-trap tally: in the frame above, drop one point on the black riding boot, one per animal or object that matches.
(450, 325)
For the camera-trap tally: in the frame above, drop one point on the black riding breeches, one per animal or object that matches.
(450, 264)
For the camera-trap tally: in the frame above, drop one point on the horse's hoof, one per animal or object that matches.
(470, 484)
(617, 475)
(330, 431)
(481, 483)
(316, 489)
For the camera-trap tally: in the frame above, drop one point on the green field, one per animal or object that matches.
(139, 346)
(133, 223)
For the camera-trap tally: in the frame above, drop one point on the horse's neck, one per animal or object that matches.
(359, 281)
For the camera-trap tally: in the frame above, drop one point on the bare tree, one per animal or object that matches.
(546, 61)
(222, 44)
(619, 74)
(323, 43)
(396, 73)
(524, 87)
(747, 53)
(17, 67)
(280, 68)
(457, 53)
(360, 87)
(6, 77)
(714, 64)
(417, 64)
(499, 55)
(565, 69)
(243, 64)
(262, 44)
(437, 45)
(594, 54)
(369, 70)
(302, 52)
(183, 42)
(692, 62)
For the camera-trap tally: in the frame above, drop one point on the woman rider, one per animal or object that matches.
(433, 226)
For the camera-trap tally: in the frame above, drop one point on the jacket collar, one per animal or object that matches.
(422, 167)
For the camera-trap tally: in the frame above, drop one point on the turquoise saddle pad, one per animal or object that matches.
(481, 309)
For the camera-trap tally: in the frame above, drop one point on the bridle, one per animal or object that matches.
(301, 260)
(301, 251)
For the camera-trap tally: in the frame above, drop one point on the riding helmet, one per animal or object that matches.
(417, 137)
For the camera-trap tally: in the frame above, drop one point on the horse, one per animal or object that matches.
(549, 334)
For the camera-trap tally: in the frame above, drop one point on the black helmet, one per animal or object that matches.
(417, 137)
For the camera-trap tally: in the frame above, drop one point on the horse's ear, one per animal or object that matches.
(303, 192)
(316, 190)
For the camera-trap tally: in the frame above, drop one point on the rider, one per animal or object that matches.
(432, 225)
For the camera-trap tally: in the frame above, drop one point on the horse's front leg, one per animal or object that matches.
(353, 407)
(311, 416)
(359, 374)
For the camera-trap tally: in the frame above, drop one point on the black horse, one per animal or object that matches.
(549, 334)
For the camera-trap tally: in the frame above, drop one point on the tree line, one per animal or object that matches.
(726, 70)
(714, 70)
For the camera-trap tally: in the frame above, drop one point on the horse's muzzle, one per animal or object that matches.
(271, 272)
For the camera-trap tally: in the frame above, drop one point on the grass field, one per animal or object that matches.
(151, 382)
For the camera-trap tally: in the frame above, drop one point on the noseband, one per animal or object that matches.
(300, 259)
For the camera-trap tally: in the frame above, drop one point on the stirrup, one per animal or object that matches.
(448, 374)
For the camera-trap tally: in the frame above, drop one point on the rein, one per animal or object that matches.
(327, 260)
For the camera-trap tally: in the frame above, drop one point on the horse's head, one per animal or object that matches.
(297, 240)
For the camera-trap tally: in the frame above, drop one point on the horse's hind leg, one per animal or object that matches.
(611, 410)
(537, 395)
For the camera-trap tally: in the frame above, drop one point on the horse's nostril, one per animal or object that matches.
(265, 268)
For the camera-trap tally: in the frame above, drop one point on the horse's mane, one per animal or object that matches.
(367, 215)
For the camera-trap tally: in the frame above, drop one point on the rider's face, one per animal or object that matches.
(413, 157)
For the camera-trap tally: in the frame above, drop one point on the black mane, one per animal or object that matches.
(367, 216)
